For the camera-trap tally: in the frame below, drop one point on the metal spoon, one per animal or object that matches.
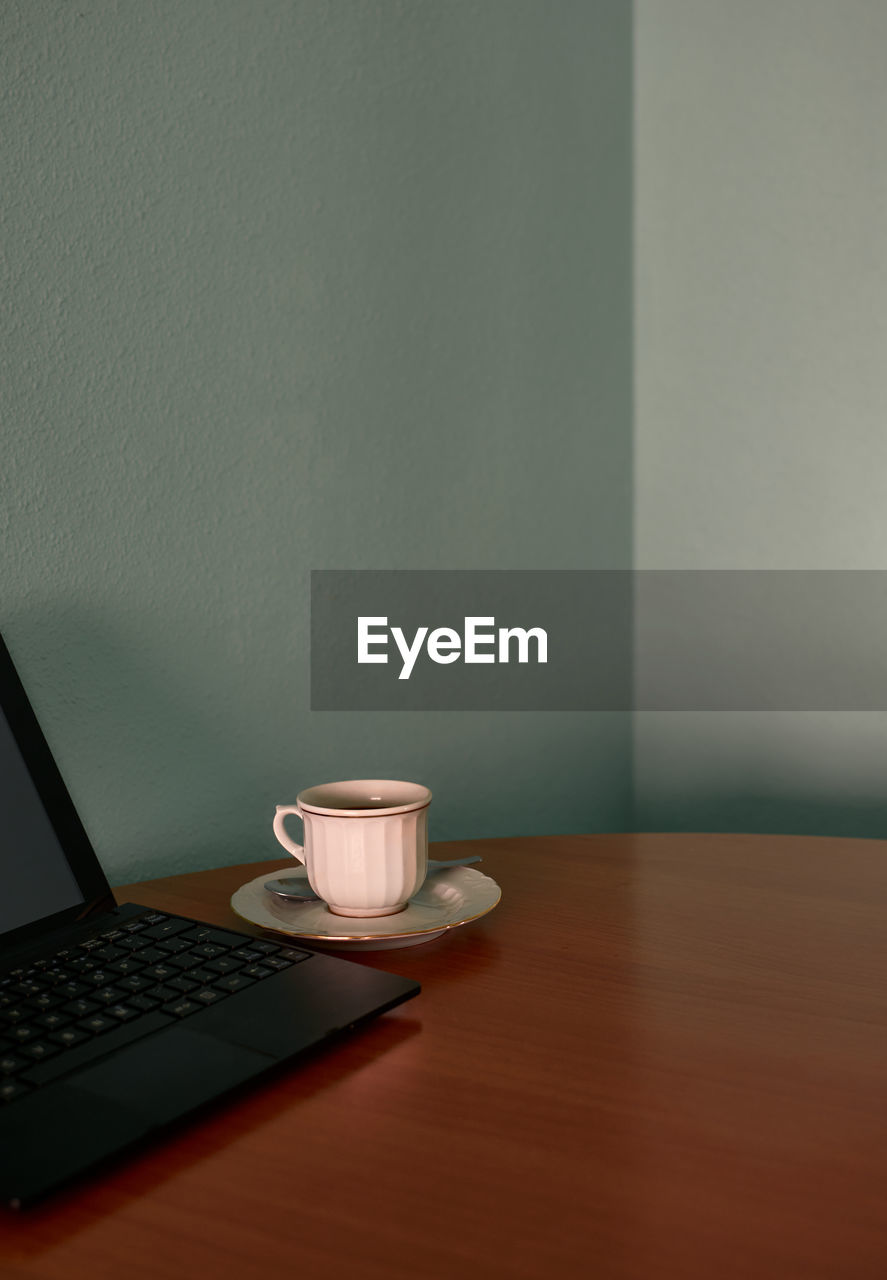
(298, 890)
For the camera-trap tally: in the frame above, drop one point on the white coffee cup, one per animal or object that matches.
(366, 843)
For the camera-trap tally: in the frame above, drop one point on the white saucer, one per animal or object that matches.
(446, 900)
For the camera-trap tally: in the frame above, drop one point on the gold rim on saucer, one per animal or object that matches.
(250, 903)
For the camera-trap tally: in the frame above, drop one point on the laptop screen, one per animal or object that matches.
(37, 880)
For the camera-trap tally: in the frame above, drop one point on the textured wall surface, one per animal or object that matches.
(761, 392)
(301, 285)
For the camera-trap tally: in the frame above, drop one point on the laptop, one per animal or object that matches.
(118, 1021)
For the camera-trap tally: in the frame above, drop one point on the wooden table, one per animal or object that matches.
(660, 1056)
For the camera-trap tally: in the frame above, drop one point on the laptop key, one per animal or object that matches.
(257, 971)
(187, 960)
(77, 989)
(100, 977)
(224, 964)
(40, 1049)
(80, 1008)
(266, 948)
(71, 990)
(10, 1063)
(44, 1001)
(12, 1089)
(21, 1033)
(174, 946)
(134, 942)
(184, 985)
(208, 950)
(53, 1021)
(234, 982)
(109, 953)
(205, 935)
(181, 1008)
(163, 993)
(135, 983)
(167, 928)
(161, 972)
(107, 995)
(208, 996)
(122, 1012)
(98, 1023)
(203, 977)
(69, 1036)
(142, 1001)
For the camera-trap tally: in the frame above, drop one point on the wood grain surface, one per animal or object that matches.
(660, 1056)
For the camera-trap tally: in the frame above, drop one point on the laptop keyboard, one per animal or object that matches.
(67, 1009)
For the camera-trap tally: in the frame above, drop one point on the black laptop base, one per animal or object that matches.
(140, 1019)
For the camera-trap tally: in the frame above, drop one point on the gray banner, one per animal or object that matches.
(438, 659)
(599, 640)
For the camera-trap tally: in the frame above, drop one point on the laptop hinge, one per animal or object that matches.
(65, 935)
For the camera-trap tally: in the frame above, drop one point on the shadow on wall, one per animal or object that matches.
(153, 763)
(787, 773)
(767, 813)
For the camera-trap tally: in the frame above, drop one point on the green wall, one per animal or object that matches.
(761, 395)
(294, 285)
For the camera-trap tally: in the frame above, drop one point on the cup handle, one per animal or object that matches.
(280, 830)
